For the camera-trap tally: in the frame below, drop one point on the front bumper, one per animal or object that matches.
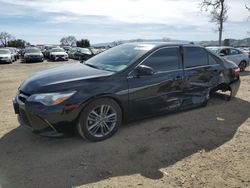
(33, 58)
(53, 122)
(59, 58)
(234, 85)
(5, 60)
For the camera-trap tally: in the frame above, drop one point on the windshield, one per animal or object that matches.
(84, 50)
(32, 50)
(118, 58)
(4, 51)
(11, 50)
(57, 50)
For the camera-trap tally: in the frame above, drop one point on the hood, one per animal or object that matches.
(34, 53)
(5, 55)
(61, 78)
(58, 53)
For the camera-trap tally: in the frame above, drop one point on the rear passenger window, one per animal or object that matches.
(166, 59)
(234, 51)
(195, 56)
(212, 60)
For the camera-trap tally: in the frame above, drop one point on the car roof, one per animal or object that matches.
(219, 47)
(32, 48)
(164, 44)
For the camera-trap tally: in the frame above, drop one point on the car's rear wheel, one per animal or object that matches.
(242, 66)
(99, 120)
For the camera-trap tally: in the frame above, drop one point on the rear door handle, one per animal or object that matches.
(178, 78)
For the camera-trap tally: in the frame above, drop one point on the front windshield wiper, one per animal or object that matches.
(90, 65)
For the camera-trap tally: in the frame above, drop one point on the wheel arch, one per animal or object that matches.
(223, 86)
(109, 96)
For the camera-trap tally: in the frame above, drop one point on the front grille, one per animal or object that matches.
(34, 56)
(60, 56)
(23, 96)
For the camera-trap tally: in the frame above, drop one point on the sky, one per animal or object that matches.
(47, 21)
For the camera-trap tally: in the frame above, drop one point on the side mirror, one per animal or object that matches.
(143, 70)
(221, 54)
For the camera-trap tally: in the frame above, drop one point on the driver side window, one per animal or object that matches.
(166, 59)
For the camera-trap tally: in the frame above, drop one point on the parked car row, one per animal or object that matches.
(50, 52)
(33, 54)
(238, 56)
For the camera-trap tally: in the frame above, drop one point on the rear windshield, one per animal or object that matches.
(85, 50)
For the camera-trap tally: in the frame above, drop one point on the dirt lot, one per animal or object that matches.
(204, 147)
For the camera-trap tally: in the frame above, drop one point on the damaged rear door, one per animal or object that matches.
(202, 73)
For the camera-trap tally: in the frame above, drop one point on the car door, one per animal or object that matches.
(225, 53)
(233, 55)
(160, 91)
(202, 73)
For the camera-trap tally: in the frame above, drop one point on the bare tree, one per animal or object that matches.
(218, 13)
(68, 41)
(5, 38)
(248, 8)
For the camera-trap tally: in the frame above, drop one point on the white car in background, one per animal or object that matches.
(57, 54)
(6, 56)
(238, 56)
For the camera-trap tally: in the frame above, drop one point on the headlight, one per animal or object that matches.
(51, 99)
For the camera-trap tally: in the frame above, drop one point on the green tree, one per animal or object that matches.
(83, 43)
(19, 43)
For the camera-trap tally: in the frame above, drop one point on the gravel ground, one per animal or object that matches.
(203, 147)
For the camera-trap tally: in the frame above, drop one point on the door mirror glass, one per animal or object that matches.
(143, 70)
(221, 54)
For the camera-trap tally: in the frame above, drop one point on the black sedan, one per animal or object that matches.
(83, 54)
(33, 54)
(124, 83)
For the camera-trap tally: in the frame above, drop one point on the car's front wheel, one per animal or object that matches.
(99, 120)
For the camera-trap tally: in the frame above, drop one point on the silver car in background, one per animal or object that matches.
(14, 52)
(239, 57)
(6, 56)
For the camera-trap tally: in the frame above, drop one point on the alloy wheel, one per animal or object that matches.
(101, 120)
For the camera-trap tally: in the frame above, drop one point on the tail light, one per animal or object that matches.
(236, 71)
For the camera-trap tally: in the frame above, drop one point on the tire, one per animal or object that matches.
(91, 127)
(242, 66)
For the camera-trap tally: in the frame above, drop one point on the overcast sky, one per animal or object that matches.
(47, 21)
